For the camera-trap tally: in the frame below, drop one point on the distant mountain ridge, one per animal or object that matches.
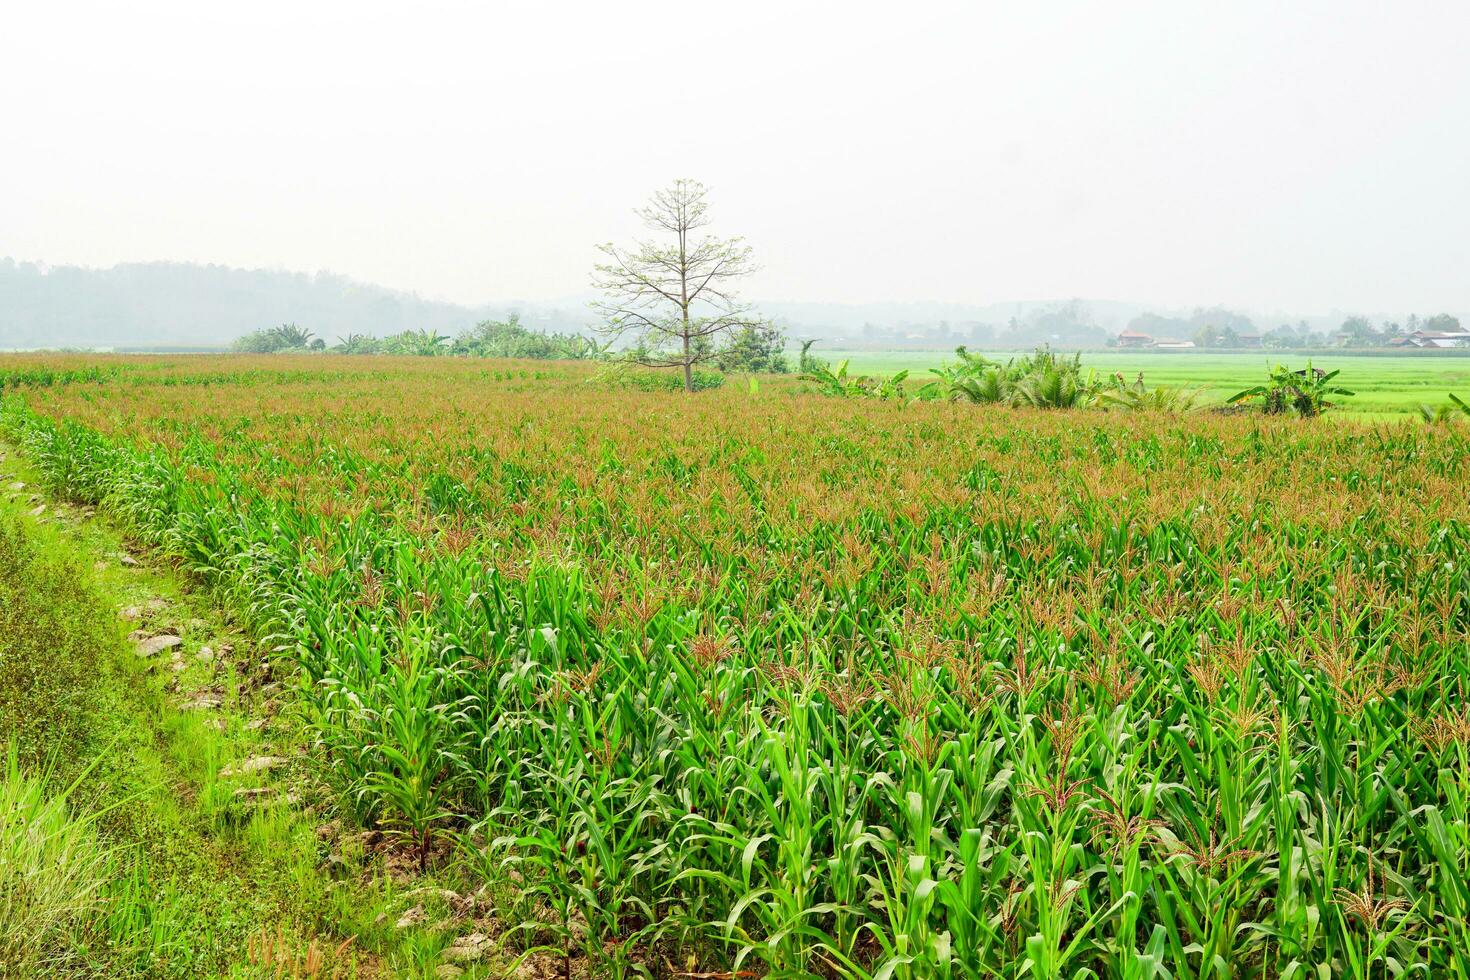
(179, 305)
(187, 305)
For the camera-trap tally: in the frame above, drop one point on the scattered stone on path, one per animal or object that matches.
(256, 724)
(265, 799)
(411, 918)
(157, 644)
(448, 894)
(447, 971)
(18, 486)
(458, 904)
(154, 605)
(337, 867)
(468, 949)
(260, 763)
(200, 704)
(255, 793)
(39, 511)
(126, 560)
(205, 655)
(538, 967)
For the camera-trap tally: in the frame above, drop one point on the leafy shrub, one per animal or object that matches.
(416, 343)
(841, 384)
(507, 338)
(285, 338)
(758, 348)
(358, 343)
(807, 362)
(622, 374)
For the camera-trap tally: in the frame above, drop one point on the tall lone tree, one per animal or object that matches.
(675, 295)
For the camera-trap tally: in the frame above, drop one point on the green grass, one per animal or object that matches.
(123, 851)
(1385, 384)
(53, 872)
(52, 633)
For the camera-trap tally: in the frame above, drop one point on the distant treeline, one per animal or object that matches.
(1222, 328)
(1075, 324)
(754, 349)
(179, 306)
(490, 338)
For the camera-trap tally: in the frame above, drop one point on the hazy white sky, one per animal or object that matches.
(1287, 155)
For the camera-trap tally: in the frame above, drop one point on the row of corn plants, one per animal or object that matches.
(774, 685)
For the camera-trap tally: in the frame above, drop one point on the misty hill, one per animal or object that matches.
(893, 324)
(172, 304)
(184, 305)
(849, 318)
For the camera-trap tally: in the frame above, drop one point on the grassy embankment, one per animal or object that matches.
(135, 839)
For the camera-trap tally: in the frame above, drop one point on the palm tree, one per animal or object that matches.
(357, 343)
(426, 343)
(985, 388)
(289, 335)
(419, 343)
(1136, 397)
(1053, 384)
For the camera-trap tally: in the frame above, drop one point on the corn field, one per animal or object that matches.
(763, 683)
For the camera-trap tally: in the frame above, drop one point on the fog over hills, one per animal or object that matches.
(181, 305)
(168, 304)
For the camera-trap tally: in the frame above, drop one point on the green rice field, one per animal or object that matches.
(1385, 384)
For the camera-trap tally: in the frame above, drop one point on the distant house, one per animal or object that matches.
(1132, 338)
(1248, 340)
(1433, 338)
(1165, 343)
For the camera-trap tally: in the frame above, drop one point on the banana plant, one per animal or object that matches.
(1304, 392)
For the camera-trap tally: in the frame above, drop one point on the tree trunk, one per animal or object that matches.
(684, 303)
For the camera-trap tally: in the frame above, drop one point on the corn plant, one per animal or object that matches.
(792, 686)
